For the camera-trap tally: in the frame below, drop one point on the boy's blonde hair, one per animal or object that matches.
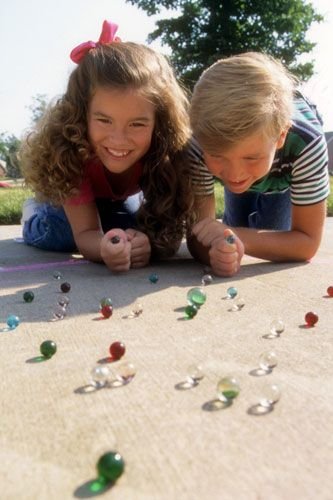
(239, 96)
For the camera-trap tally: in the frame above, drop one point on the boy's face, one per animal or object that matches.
(120, 127)
(245, 162)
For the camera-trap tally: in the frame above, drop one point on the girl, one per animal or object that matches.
(264, 140)
(110, 159)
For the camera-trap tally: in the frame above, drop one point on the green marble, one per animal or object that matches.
(190, 311)
(110, 466)
(196, 296)
(48, 348)
(28, 296)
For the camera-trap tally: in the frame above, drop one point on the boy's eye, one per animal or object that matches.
(138, 124)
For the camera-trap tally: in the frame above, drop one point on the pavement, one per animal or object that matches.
(178, 440)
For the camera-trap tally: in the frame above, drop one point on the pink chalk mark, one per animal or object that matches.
(45, 265)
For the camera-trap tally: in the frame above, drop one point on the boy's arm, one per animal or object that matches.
(214, 249)
(299, 244)
(204, 206)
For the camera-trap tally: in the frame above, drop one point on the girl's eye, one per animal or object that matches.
(104, 120)
(138, 124)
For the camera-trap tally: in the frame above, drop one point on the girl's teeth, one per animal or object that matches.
(117, 153)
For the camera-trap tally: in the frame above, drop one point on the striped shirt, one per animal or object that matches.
(301, 164)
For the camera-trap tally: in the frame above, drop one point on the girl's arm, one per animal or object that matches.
(91, 241)
(84, 221)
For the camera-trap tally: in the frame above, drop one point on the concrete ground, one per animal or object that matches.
(178, 441)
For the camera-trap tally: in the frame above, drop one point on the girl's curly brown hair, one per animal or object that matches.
(54, 154)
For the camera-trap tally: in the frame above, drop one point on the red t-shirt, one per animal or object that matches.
(96, 184)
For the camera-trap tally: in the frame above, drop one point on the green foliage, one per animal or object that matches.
(9, 146)
(330, 200)
(206, 30)
(219, 199)
(38, 107)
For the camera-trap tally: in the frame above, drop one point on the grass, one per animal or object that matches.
(11, 201)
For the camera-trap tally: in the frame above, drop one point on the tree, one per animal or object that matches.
(206, 30)
(38, 107)
(10, 144)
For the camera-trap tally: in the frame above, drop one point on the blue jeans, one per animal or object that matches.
(258, 210)
(49, 229)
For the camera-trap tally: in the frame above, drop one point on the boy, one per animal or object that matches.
(264, 140)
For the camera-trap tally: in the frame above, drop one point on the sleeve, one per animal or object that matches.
(202, 179)
(310, 179)
(85, 194)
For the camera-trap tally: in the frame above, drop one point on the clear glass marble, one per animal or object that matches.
(269, 395)
(100, 376)
(63, 301)
(125, 372)
(227, 389)
(57, 275)
(137, 310)
(194, 374)
(238, 305)
(59, 312)
(196, 296)
(277, 327)
(207, 279)
(232, 292)
(268, 360)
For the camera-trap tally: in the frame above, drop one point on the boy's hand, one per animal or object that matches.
(208, 230)
(225, 256)
(140, 248)
(116, 250)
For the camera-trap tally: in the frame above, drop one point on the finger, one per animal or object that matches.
(223, 257)
(131, 234)
(222, 246)
(224, 269)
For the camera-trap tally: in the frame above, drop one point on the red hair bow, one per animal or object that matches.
(108, 35)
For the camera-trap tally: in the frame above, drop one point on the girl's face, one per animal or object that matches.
(120, 127)
(245, 162)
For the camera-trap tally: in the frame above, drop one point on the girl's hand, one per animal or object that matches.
(225, 257)
(140, 248)
(116, 254)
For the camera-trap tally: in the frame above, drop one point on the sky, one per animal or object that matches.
(36, 37)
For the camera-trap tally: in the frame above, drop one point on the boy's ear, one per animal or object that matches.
(281, 139)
